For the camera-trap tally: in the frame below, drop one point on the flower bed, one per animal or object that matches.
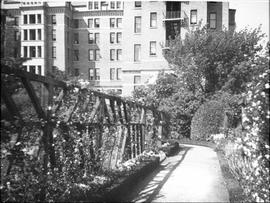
(170, 148)
(115, 184)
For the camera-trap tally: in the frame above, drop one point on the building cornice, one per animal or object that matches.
(98, 13)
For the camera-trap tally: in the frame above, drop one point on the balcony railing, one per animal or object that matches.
(174, 15)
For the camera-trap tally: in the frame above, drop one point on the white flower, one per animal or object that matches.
(76, 89)
(263, 94)
(267, 85)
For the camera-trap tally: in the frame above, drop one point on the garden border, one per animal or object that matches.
(121, 186)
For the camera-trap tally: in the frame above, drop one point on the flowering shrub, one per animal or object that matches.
(247, 147)
(80, 156)
(145, 156)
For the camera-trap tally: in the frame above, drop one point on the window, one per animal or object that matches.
(76, 23)
(138, 4)
(76, 38)
(39, 34)
(53, 34)
(39, 70)
(32, 51)
(25, 19)
(112, 5)
(137, 52)
(153, 50)
(97, 38)
(193, 17)
(39, 51)
(91, 38)
(119, 54)
(97, 55)
(76, 72)
(112, 37)
(68, 21)
(15, 52)
(91, 56)
(119, 37)
(118, 4)
(25, 51)
(25, 34)
(137, 24)
(76, 55)
(32, 69)
(67, 34)
(213, 20)
(96, 5)
(119, 22)
(97, 74)
(16, 35)
(103, 5)
(153, 20)
(112, 54)
(38, 18)
(16, 21)
(90, 5)
(32, 19)
(32, 34)
(90, 23)
(94, 74)
(137, 80)
(91, 74)
(53, 19)
(112, 74)
(53, 52)
(96, 22)
(112, 22)
(118, 73)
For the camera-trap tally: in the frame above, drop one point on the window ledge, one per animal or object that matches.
(153, 27)
(153, 55)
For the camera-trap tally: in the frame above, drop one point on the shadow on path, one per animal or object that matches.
(147, 189)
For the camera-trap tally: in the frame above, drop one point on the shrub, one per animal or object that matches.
(247, 147)
(207, 120)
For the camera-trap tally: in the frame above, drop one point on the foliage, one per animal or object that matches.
(206, 65)
(207, 120)
(171, 96)
(247, 147)
(76, 155)
(208, 60)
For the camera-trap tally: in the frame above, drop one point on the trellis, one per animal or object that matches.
(134, 124)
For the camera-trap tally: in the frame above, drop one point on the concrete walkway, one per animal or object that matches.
(194, 175)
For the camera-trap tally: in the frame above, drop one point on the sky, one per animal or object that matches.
(251, 13)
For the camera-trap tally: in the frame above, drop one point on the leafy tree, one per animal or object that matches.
(208, 60)
(206, 65)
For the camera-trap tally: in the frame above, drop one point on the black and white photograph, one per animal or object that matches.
(135, 101)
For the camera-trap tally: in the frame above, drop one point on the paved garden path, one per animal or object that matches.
(193, 175)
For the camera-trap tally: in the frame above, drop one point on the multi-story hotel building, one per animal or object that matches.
(115, 45)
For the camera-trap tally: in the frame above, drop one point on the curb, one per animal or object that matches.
(234, 189)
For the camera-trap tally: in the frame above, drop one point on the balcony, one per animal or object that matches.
(174, 15)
